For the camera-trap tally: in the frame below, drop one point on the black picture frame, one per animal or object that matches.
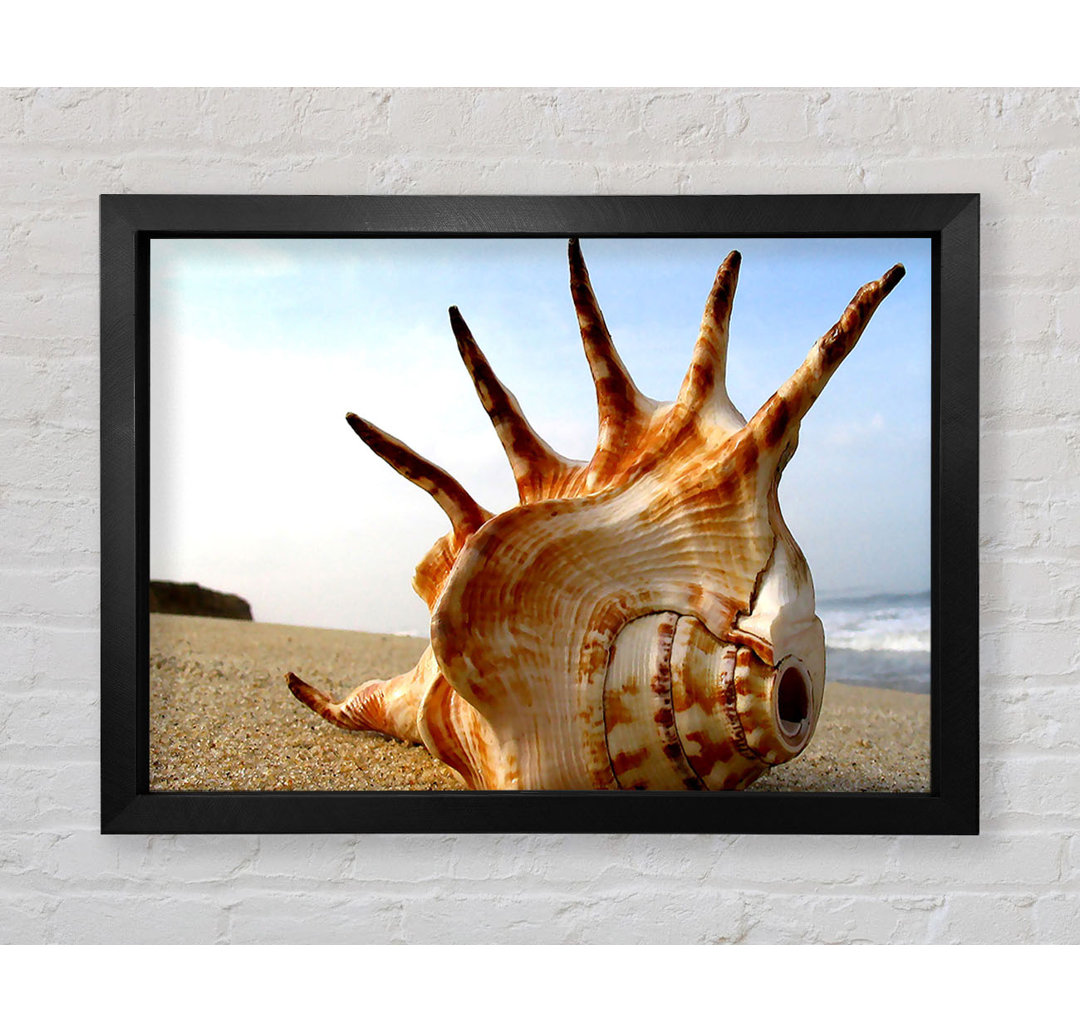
(130, 222)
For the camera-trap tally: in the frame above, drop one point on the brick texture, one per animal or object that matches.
(60, 881)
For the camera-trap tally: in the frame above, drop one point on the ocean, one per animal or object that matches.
(881, 639)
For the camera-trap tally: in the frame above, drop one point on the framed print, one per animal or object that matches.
(697, 487)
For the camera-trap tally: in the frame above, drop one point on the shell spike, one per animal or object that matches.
(464, 513)
(704, 386)
(531, 458)
(775, 425)
(387, 706)
(322, 704)
(622, 410)
(617, 396)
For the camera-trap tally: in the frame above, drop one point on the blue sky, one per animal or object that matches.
(260, 347)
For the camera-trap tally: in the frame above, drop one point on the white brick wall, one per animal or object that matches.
(61, 881)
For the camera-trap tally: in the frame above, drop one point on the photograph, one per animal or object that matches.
(672, 532)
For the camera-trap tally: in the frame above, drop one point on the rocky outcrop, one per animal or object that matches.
(193, 600)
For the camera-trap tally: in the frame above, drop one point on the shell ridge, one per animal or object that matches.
(640, 720)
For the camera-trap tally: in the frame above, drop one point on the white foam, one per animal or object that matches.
(877, 639)
(893, 624)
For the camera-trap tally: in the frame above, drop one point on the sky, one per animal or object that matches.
(260, 347)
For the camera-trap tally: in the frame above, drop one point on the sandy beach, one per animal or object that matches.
(222, 718)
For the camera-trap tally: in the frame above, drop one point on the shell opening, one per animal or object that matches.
(794, 706)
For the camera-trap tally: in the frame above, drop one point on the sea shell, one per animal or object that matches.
(643, 620)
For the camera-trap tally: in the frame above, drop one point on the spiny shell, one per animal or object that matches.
(640, 621)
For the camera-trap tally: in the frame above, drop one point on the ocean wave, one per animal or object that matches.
(880, 639)
(883, 622)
